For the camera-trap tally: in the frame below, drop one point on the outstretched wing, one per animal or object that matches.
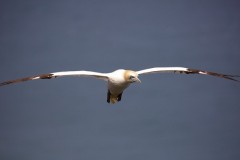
(186, 71)
(103, 76)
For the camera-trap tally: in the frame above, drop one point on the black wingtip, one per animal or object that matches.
(16, 81)
(42, 76)
(226, 76)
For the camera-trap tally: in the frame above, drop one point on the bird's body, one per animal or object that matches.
(116, 85)
(120, 79)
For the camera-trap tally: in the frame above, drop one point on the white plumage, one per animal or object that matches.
(120, 79)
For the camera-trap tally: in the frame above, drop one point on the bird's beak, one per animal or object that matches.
(137, 80)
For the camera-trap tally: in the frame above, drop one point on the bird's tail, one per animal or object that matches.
(113, 99)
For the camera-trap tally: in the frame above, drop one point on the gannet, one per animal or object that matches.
(119, 80)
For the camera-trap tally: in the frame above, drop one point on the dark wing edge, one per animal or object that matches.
(226, 76)
(42, 76)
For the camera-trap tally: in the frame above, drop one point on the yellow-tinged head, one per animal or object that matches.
(131, 76)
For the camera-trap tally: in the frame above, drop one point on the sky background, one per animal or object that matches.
(167, 116)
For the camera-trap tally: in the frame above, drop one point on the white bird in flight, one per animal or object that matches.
(120, 79)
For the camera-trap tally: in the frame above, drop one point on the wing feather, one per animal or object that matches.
(184, 70)
(103, 76)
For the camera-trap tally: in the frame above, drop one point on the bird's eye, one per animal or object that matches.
(131, 77)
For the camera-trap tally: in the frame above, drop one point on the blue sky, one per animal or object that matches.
(167, 116)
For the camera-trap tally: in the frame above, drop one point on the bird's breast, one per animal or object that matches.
(117, 82)
(117, 87)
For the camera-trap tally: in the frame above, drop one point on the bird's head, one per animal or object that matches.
(131, 76)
